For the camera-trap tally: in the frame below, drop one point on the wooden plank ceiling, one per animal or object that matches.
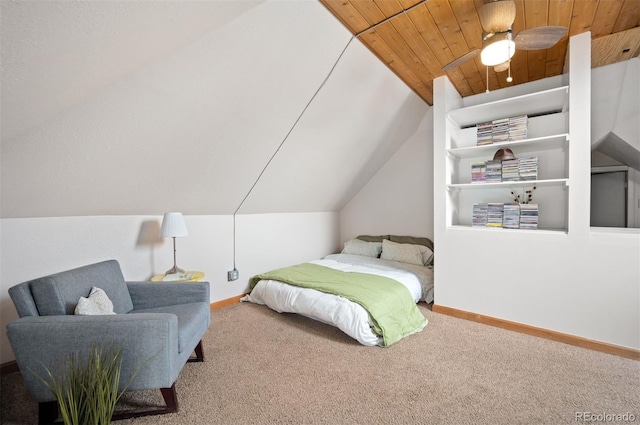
(421, 39)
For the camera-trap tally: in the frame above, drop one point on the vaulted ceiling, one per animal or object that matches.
(423, 36)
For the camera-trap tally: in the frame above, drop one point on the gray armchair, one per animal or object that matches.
(164, 322)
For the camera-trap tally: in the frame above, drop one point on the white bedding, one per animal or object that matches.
(346, 315)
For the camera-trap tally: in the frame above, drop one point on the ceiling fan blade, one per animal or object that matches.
(539, 38)
(462, 59)
(497, 16)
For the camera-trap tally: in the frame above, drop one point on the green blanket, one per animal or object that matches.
(392, 310)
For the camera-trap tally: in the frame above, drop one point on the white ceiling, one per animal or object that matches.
(113, 107)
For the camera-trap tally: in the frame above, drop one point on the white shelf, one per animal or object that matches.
(519, 232)
(555, 141)
(540, 183)
(547, 101)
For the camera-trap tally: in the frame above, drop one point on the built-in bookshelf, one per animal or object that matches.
(547, 142)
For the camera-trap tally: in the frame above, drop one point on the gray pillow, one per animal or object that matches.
(359, 247)
(406, 253)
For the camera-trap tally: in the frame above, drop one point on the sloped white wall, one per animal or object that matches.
(188, 124)
(615, 104)
(399, 198)
(336, 147)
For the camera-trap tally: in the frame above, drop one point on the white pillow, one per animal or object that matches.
(97, 303)
(358, 247)
(406, 253)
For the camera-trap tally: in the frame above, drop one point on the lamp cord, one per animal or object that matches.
(282, 143)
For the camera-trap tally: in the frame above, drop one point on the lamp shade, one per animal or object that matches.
(499, 49)
(173, 225)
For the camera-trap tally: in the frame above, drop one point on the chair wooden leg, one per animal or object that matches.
(199, 350)
(47, 412)
(170, 400)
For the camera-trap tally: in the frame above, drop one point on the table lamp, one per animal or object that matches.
(173, 226)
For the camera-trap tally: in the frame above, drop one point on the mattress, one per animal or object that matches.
(348, 316)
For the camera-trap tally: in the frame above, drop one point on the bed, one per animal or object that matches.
(369, 290)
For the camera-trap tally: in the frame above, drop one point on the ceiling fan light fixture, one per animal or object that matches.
(498, 49)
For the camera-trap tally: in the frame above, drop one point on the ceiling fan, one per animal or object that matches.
(498, 42)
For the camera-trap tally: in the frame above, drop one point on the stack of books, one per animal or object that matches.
(479, 215)
(528, 168)
(510, 170)
(500, 130)
(518, 128)
(493, 173)
(511, 215)
(483, 132)
(494, 214)
(529, 216)
(478, 172)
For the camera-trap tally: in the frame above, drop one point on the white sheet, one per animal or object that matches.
(334, 310)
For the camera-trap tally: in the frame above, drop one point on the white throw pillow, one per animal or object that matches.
(96, 303)
(406, 253)
(358, 247)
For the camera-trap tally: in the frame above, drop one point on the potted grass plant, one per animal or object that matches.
(88, 393)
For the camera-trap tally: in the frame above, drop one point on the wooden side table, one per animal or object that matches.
(187, 276)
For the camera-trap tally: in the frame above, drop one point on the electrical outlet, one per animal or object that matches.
(233, 275)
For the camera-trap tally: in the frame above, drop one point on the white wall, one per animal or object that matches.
(34, 247)
(584, 282)
(615, 106)
(269, 241)
(399, 198)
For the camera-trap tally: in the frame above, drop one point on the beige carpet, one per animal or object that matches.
(268, 368)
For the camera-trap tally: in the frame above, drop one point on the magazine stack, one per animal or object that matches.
(528, 168)
(529, 216)
(479, 215)
(511, 218)
(483, 132)
(478, 172)
(510, 170)
(500, 130)
(494, 214)
(494, 171)
(518, 128)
